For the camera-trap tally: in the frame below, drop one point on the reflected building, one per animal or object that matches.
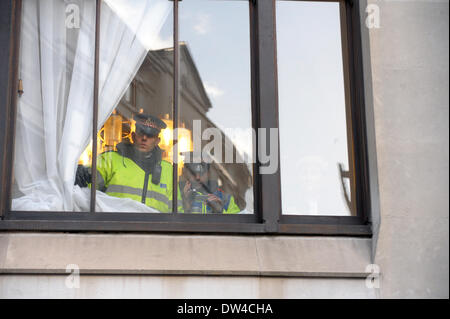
(151, 92)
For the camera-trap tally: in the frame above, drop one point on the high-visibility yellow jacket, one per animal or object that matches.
(120, 176)
(196, 200)
(228, 203)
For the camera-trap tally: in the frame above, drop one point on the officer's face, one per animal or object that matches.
(201, 178)
(144, 143)
(197, 177)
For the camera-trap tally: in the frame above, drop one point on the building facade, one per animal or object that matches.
(406, 255)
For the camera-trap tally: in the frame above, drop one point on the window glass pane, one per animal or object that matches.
(135, 101)
(317, 176)
(215, 107)
(54, 108)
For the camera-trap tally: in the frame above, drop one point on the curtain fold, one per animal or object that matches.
(54, 115)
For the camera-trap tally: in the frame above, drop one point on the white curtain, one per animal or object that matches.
(54, 115)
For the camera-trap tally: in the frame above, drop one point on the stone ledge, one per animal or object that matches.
(50, 253)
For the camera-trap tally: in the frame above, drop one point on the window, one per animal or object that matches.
(170, 90)
(315, 124)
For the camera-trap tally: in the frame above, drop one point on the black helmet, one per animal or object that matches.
(197, 168)
(194, 163)
(148, 124)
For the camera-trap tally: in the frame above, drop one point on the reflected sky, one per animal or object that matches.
(218, 36)
(313, 132)
(141, 16)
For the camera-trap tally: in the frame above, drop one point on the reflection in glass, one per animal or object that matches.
(215, 105)
(54, 107)
(135, 104)
(53, 145)
(315, 134)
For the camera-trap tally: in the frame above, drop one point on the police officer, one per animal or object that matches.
(136, 170)
(200, 191)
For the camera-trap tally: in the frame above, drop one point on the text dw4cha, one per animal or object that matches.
(226, 308)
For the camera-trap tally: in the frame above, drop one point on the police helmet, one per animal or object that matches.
(148, 124)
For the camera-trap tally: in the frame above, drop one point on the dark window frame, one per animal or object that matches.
(267, 188)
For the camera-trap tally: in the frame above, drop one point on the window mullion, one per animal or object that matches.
(270, 204)
(175, 106)
(95, 106)
(9, 57)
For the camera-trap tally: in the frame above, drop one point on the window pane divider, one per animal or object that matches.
(95, 108)
(8, 94)
(270, 187)
(176, 76)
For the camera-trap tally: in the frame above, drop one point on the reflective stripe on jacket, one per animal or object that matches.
(229, 207)
(120, 176)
